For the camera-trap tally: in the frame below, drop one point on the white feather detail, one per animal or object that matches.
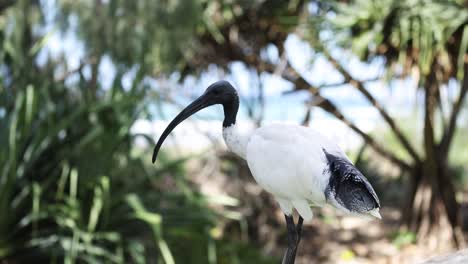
(375, 213)
(236, 140)
(287, 161)
(303, 208)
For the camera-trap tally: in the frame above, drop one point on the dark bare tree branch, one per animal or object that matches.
(333, 85)
(83, 63)
(235, 52)
(290, 74)
(360, 86)
(457, 106)
(307, 115)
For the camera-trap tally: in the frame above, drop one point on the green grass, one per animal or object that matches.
(76, 189)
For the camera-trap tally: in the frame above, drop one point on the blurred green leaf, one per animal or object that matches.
(403, 238)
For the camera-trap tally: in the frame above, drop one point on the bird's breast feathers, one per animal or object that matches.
(289, 162)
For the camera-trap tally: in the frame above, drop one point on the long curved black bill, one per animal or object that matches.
(191, 109)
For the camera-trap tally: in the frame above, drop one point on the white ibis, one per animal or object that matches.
(297, 165)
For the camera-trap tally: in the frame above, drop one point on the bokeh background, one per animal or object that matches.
(87, 86)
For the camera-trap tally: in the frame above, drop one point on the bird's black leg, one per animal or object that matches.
(293, 239)
(299, 229)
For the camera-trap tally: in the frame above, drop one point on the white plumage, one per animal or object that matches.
(296, 164)
(287, 161)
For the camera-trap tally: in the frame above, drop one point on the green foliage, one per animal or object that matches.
(158, 36)
(168, 36)
(152, 34)
(57, 197)
(347, 255)
(74, 187)
(412, 31)
(403, 238)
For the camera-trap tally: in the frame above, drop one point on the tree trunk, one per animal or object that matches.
(434, 212)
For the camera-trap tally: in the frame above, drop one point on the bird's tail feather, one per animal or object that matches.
(303, 208)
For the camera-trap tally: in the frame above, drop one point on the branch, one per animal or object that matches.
(78, 69)
(333, 85)
(307, 116)
(457, 106)
(290, 74)
(294, 77)
(360, 86)
(441, 107)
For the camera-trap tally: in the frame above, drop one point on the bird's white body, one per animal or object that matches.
(297, 165)
(288, 161)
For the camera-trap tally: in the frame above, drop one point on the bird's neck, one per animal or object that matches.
(230, 111)
(236, 139)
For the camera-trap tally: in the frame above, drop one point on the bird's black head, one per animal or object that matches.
(348, 189)
(220, 92)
